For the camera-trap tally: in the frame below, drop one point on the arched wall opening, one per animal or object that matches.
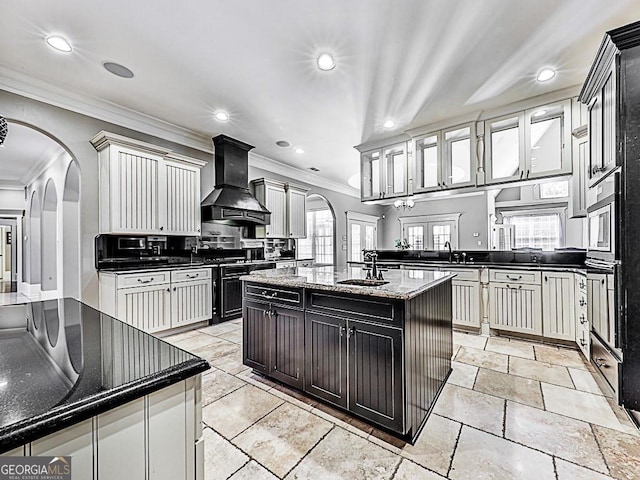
(49, 235)
(320, 243)
(71, 233)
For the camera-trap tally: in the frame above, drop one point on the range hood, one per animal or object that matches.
(231, 202)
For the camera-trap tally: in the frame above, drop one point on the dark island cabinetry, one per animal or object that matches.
(380, 357)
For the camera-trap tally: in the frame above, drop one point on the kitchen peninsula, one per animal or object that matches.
(380, 349)
(77, 382)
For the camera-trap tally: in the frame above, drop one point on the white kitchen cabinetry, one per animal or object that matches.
(156, 437)
(558, 309)
(580, 153)
(583, 329)
(466, 297)
(532, 144)
(158, 300)
(146, 189)
(296, 211)
(384, 172)
(288, 206)
(515, 301)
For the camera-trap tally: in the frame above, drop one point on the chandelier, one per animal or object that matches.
(404, 204)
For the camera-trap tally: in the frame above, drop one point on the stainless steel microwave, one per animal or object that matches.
(132, 243)
(602, 229)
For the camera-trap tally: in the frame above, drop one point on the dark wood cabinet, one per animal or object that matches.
(231, 293)
(326, 357)
(273, 341)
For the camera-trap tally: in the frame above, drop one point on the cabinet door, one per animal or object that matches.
(597, 307)
(375, 373)
(190, 302)
(146, 308)
(255, 336)
(326, 358)
(395, 171)
(558, 306)
(287, 338)
(372, 175)
(182, 184)
(466, 303)
(459, 158)
(427, 163)
(609, 139)
(515, 308)
(135, 193)
(297, 213)
(275, 201)
(231, 293)
(595, 139)
(505, 148)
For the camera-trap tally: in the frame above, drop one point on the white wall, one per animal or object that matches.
(11, 200)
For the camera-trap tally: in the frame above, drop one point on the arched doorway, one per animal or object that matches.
(49, 235)
(33, 240)
(320, 243)
(71, 233)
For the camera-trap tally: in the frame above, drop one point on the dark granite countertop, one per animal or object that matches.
(63, 362)
(444, 265)
(402, 284)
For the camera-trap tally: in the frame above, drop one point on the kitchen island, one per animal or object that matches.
(75, 381)
(380, 350)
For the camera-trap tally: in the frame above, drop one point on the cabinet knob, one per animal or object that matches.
(161, 228)
(174, 289)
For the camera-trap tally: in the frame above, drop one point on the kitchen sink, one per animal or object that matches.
(362, 282)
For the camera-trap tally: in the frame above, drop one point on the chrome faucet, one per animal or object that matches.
(447, 244)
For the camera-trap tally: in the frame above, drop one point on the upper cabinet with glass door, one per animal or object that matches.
(445, 160)
(384, 172)
(532, 144)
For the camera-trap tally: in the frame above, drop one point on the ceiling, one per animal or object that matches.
(414, 61)
(24, 154)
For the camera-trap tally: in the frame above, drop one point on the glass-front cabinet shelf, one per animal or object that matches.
(384, 172)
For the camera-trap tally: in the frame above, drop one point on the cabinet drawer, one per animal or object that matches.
(464, 274)
(514, 276)
(138, 279)
(304, 263)
(358, 307)
(606, 363)
(192, 274)
(274, 294)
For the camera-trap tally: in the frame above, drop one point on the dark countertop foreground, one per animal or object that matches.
(63, 362)
(403, 284)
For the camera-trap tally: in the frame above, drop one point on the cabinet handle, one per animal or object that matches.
(600, 363)
(546, 279)
(582, 342)
(444, 184)
(145, 281)
(168, 289)
(161, 228)
(174, 289)
(527, 173)
(521, 174)
(582, 285)
(351, 331)
(342, 331)
(514, 279)
(582, 319)
(602, 281)
(193, 276)
(582, 302)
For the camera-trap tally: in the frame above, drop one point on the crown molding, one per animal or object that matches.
(11, 185)
(264, 163)
(26, 86)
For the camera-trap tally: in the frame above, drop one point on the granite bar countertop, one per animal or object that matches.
(63, 362)
(402, 284)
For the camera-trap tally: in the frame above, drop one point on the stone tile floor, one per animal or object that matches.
(510, 410)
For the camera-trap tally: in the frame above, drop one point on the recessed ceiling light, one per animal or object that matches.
(539, 113)
(221, 116)
(299, 150)
(546, 74)
(389, 124)
(326, 62)
(59, 43)
(283, 143)
(118, 70)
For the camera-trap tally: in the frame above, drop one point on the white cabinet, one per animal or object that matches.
(296, 211)
(532, 144)
(146, 189)
(445, 159)
(580, 153)
(515, 301)
(558, 309)
(465, 297)
(597, 303)
(583, 329)
(288, 206)
(384, 172)
(158, 300)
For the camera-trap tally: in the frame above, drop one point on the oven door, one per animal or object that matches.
(132, 243)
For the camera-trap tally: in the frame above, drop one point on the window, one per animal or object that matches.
(505, 147)
(430, 232)
(537, 229)
(362, 232)
(319, 242)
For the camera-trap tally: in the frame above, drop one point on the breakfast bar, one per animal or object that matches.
(378, 348)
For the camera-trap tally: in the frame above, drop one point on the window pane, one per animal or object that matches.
(546, 145)
(441, 235)
(554, 189)
(356, 253)
(428, 162)
(460, 161)
(369, 237)
(319, 242)
(415, 237)
(396, 172)
(505, 152)
(536, 231)
(371, 174)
